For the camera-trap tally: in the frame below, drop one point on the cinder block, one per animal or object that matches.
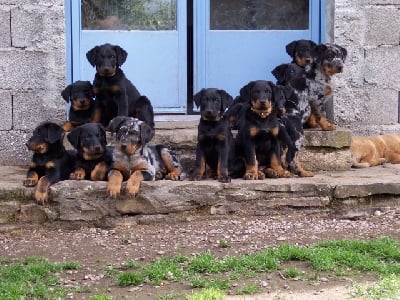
(382, 66)
(23, 69)
(5, 111)
(32, 108)
(14, 151)
(383, 25)
(5, 30)
(41, 27)
(382, 106)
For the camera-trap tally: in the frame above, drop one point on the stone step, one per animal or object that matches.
(323, 150)
(354, 193)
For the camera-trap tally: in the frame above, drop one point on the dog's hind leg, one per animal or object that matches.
(172, 164)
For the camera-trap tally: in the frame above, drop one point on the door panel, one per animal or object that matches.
(245, 40)
(155, 42)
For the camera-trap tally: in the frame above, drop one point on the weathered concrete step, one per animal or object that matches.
(352, 193)
(323, 150)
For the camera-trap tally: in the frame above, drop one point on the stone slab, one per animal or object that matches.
(86, 202)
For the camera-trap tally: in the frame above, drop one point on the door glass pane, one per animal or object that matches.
(259, 14)
(128, 14)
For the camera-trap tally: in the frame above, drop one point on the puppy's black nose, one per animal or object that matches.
(208, 112)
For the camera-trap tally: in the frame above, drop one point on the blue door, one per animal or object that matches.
(242, 40)
(177, 47)
(152, 32)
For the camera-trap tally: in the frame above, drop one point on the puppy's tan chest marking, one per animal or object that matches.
(128, 164)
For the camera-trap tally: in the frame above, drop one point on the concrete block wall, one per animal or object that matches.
(367, 93)
(32, 71)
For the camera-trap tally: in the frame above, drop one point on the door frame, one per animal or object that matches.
(321, 31)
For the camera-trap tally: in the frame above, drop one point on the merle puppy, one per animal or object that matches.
(93, 159)
(329, 60)
(215, 143)
(115, 93)
(80, 95)
(135, 161)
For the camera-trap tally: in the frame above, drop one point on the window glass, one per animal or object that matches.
(128, 14)
(259, 14)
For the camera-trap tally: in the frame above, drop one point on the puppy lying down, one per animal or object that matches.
(368, 151)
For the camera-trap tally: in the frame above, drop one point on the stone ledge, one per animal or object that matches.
(323, 150)
(86, 202)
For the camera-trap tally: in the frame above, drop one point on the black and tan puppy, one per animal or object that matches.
(135, 161)
(50, 161)
(93, 159)
(300, 51)
(115, 93)
(215, 152)
(82, 106)
(259, 134)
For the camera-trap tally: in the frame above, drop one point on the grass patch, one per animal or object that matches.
(32, 278)
(207, 294)
(35, 278)
(388, 287)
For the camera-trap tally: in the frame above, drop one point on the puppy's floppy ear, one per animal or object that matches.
(54, 132)
(290, 48)
(91, 55)
(66, 93)
(197, 97)
(90, 88)
(121, 55)
(245, 92)
(279, 73)
(299, 83)
(146, 133)
(344, 52)
(115, 123)
(317, 52)
(227, 99)
(287, 91)
(74, 137)
(312, 43)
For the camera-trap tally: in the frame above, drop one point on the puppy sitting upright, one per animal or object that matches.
(50, 162)
(115, 94)
(329, 60)
(134, 161)
(93, 159)
(215, 143)
(259, 133)
(80, 95)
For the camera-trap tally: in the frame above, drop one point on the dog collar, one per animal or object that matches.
(261, 114)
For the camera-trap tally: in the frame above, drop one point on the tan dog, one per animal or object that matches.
(371, 151)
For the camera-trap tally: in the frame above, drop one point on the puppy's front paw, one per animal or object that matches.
(250, 176)
(196, 176)
(326, 125)
(173, 176)
(224, 178)
(113, 192)
(41, 197)
(132, 190)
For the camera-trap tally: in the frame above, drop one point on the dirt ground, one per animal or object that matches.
(98, 250)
